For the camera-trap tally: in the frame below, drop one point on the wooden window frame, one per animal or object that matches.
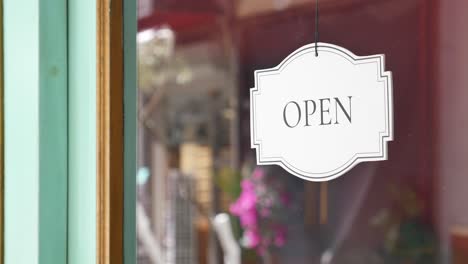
(116, 131)
(109, 132)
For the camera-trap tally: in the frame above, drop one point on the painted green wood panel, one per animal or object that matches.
(130, 126)
(21, 36)
(82, 131)
(53, 167)
(35, 131)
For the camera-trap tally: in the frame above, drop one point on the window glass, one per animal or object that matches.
(203, 199)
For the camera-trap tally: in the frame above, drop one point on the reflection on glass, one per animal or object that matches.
(201, 199)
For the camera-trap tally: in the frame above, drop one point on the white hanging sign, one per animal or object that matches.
(319, 116)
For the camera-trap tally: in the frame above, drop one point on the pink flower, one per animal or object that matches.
(248, 218)
(258, 174)
(280, 236)
(245, 206)
(247, 185)
(234, 208)
(253, 238)
(247, 200)
(256, 206)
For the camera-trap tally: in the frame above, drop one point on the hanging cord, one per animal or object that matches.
(316, 27)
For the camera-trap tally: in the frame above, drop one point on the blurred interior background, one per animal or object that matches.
(196, 64)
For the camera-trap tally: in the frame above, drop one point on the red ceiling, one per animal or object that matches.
(179, 21)
(215, 6)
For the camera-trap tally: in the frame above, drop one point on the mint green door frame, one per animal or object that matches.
(35, 106)
(50, 131)
(82, 131)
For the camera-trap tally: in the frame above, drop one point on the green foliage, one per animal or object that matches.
(407, 239)
(416, 243)
(228, 180)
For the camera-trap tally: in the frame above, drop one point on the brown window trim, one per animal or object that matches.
(110, 136)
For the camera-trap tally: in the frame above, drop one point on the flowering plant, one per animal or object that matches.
(407, 236)
(261, 208)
